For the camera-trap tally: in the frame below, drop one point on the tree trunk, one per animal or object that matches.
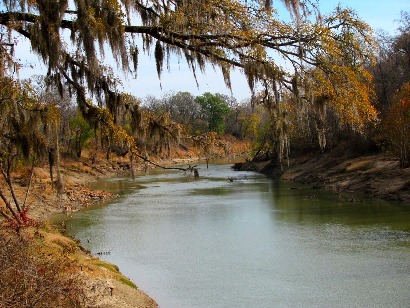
(60, 183)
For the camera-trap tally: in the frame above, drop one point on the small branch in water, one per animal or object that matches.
(189, 168)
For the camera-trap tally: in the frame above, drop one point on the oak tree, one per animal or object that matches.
(317, 59)
(214, 109)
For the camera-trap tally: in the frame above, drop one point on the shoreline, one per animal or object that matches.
(377, 175)
(109, 287)
(102, 282)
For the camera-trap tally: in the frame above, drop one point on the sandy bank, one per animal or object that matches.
(102, 283)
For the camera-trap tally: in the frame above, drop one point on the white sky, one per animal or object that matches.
(379, 14)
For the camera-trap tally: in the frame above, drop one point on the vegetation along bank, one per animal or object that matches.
(337, 108)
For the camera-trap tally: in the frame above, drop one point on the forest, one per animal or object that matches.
(342, 85)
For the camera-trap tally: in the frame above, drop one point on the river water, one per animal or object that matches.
(250, 242)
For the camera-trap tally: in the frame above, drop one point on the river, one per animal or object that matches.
(250, 241)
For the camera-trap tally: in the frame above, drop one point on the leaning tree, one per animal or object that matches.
(317, 60)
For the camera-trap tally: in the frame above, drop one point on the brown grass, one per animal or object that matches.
(34, 275)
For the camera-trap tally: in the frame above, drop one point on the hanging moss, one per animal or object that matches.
(226, 72)
(159, 58)
(134, 52)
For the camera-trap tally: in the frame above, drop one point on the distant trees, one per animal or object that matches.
(181, 106)
(208, 112)
(396, 125)
(392, 67)
(392, 79)
(215, 109)
(183, 109)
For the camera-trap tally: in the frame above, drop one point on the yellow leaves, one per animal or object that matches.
(206, 142)
(251, 122)
(351, 91)
(398, 117)
(396, 125)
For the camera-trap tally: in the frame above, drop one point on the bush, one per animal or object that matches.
(32, 278)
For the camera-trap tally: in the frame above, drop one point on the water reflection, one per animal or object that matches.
(251, 242)
(303, 205)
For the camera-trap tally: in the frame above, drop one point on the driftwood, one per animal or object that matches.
(189, 168)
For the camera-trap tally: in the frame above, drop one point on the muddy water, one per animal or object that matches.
(250, 242)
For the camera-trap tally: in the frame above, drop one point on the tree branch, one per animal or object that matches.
(7, 177)
(162, 167)
(28, 187)
(9, 207)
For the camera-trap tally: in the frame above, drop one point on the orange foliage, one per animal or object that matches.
(397, 125)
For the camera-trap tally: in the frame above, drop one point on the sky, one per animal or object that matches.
(379, 14)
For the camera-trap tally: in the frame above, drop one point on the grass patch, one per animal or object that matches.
(114, 269)
(128, 282)
(110, 267)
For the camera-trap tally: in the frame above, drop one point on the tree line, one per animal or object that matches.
(328, 90)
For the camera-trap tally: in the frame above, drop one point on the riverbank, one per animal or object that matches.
(100, 283)
(376, 175)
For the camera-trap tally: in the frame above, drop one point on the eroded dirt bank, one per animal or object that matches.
(375, 175)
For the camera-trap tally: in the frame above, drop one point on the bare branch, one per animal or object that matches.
(28, 187)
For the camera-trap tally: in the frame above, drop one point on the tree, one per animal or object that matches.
(324, 55)
(397, 125)
(154, 104)
(56, 123)
(183, 108)
(81, 131)
(215, 109)
(206, 143)
(392, 67)
(25, 134)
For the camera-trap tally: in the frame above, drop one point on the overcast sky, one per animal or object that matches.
(379, 14)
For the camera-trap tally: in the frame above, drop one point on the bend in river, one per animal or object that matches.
(240, 239)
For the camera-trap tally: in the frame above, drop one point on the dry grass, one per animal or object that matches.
(33, 276)
(43, 268)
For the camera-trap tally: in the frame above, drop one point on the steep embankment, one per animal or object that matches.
(375, 175)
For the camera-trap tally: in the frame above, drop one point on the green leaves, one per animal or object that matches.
(215, 110)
